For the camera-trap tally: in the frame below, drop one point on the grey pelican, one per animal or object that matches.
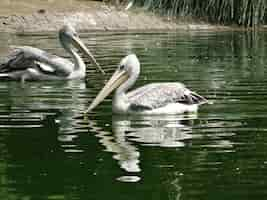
(154, 98)
(29, 63)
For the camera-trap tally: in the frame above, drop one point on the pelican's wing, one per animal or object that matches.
(25, 57)
(157, 95)
(16, 60)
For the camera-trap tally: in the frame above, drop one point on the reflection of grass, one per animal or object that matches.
(242, 12)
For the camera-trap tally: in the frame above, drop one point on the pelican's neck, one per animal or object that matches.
(79, 65)
(123, 88)
(120, 100)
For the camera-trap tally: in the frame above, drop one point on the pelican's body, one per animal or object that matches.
(155, 98)
(29, 63)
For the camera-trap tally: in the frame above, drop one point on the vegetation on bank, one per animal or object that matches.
(242, 12)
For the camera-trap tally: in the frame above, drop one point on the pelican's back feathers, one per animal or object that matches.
(16, 60)
(158, 95)
(24, 57)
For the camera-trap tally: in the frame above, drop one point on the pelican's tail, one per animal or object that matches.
(2, 66)
(198, 99)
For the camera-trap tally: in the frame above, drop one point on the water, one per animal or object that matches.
(49, 151)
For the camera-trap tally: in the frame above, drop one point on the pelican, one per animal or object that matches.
(154, 98)
(29, 63)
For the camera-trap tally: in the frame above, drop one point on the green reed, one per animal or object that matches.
(241, 12)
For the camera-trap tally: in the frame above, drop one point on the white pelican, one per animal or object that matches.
(29, 63)
(155, 98)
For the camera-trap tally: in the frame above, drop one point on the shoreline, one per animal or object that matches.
(88, 16)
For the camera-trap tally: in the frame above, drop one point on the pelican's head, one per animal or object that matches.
(123, 78)
(130, 65)
(68, 35)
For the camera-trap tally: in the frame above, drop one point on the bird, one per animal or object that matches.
(30, 63)
(153, 98)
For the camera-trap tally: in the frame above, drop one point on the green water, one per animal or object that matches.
(48, 150)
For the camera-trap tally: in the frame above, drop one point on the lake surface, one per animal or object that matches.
(49, 151)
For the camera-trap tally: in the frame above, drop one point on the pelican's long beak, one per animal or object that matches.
(79, 44)
(119, 77)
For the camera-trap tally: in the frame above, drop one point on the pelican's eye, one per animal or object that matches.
(122, 67)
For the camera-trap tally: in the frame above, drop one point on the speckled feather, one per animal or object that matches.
(158, 95)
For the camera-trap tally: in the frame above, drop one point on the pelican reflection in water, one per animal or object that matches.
(130, 132)
(155, 98)
(29, 63)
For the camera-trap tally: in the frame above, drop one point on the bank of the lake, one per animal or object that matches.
(38, 16)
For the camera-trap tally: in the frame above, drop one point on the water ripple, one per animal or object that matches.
(44, 137)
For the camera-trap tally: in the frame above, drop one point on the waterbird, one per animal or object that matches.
(154, 98)
(30, 63)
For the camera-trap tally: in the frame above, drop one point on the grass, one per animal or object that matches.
(249, 13)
